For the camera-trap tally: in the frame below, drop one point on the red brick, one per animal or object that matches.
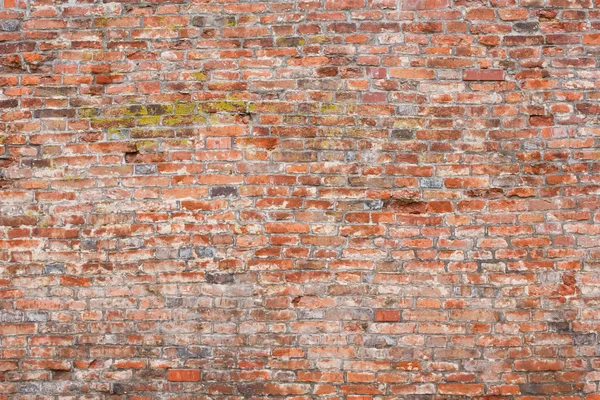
(539, 365)
(483, 75)
(17, 329)
(387, 315)
(184, 375)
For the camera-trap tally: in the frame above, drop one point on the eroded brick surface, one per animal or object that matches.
(337, 199)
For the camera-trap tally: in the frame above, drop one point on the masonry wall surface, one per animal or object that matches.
(336, 199)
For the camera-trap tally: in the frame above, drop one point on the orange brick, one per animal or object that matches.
(184, 375)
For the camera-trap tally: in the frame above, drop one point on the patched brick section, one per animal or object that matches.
(337, 199)
(223, 191)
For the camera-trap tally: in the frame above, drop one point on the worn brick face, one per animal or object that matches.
(298, 199)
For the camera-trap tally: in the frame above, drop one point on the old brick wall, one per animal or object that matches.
(300, 199)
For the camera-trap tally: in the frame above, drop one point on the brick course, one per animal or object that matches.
(300, 199)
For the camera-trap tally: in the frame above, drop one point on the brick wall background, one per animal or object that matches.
(332, 199)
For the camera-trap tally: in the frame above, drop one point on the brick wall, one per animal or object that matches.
(300, 199)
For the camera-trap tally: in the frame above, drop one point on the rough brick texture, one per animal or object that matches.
(300, 199)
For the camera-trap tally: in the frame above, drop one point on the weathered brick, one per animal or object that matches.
(483, 75)
(461, 389)
(539, 365)
(424, 4)
(350, 199)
